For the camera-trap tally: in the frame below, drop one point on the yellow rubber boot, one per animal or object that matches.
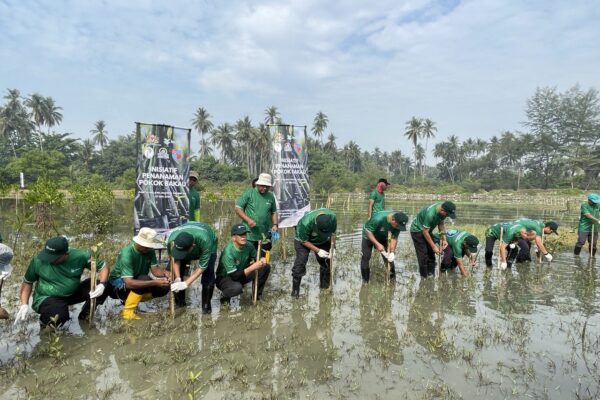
(132, 301)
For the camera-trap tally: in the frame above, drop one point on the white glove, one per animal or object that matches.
(385, 254)
(548, 257)
(98, 291)
(22, 313)
(177, 280)
(323, 254)
(4, 275)
(512, 245)
(178, 286)
(503, 266)
(391, 257)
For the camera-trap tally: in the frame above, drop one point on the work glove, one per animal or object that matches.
(512, 245)
(22, 313)
(275, 236)
(385, 254)
(548, 257)
(98, 291)
(177, 280)
(390, 257)
(323, 254)
(503, 265)
(178, 286)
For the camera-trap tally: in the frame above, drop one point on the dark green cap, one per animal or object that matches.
(401, 219)
(182, 245)
(450, 209)
(552, 225)
(54, 248)
(238, 229)
(324, 223)
(472, 243)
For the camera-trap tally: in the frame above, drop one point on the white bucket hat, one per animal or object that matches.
(147, 237)
(264, 180)
(6, 256)
(194, 174)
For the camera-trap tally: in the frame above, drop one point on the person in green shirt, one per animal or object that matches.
(460, 244)
(535, 229)
(313, 233)
(193, 197)
(237, 265)
(377, 197)
(136, 276)
(56, 272)
(375, 234)
(187, 243)
(258, 210)
(421, 228)
(588, 223)
(511, 233)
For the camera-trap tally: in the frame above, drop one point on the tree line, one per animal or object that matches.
(558, 147)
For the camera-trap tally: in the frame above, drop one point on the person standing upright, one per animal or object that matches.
(258, 211)
(421, 229)
(588, 222)
(194, 197)
(377, 197)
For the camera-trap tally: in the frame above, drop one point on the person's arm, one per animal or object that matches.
(371, 202)
(442, 230)
(240, 213)
(461, 266)
(430, 242)
(132, 283)
(591, 217)
(103, 274)
(254, 266)
(540, 245)
(502, 250)
(393, 244)
(25, 292)
(274, 221)
(373, 240)
(310, 246)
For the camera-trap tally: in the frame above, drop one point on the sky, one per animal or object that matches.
(368, 65)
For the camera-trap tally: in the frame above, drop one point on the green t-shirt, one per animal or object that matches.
(61, 280)
(205, 240)
(194, 199)
(379, 227)
(427, 218)
(585, 224)
(131, 263)
(531, 225)
(455, 240)
(509, 232)
(259, 207)
(378, 201)
(233, 259)
(306, 230)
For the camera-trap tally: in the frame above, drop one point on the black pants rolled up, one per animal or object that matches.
(425, 254)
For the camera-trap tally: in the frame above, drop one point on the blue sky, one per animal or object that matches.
(370, 66)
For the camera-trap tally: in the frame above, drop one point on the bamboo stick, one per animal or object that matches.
(255, 283)
(92, 284)
(331, 251)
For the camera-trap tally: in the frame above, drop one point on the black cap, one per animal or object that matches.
(384, 181)
(238, 229)
(182, 245)
(54, 248)
(450, 209)
(324, 223)
(472, 243)
(401, 219)
(552, 225)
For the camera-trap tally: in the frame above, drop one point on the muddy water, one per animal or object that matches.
(529, 332)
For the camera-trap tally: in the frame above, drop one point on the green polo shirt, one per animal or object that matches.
(427, 218)
(379, 226)
(194, 200)
(131, 263)
(531, 225)
(259, 207)
(61, 280)
(585, 224)
(378, 201)
(510, 231)
(233, 259)
(306, 230)
(455, 240)
(205, 240)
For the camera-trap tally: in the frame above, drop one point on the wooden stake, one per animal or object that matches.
(499, 246)
(331, 251)
(255, 283)
(92, 284)
(388, 264)
(540, 255)
(283, 247)
(171, 294)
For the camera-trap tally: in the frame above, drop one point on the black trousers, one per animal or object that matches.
(366, 249)
(524, 253)
(231, 288)
(448, 259)
(583, 237)
(489, 252)
(58, 307)
(302, 253)
(425, 254)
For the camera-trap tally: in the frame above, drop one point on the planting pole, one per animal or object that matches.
(592, 243)
(283, 247)
(3, 313)
(541, 257)
(92, 283)
(500, 246)
(171, 294)
(331, 250)
(255, 283)
(388, 263)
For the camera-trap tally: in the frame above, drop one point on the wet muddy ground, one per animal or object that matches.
(532, 331)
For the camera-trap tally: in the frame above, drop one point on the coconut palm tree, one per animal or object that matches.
(413, 132)
(223, 138)
(202, 123)
(86, 152)
(36, 104)
(272, 116)
(52, 116)
(100, 135)
(319, 125)
(16, 124)
(244, 133)
(330, 146)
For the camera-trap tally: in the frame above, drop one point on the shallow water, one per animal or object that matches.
(528, 332)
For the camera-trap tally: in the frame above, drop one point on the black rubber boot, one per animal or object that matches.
(577, 250)
(296, 287)
(365, 275)
(225, 300)
(180, 299)
(392, 272)
(207, 293)
(324, 279)
(488, 259)
(85, 311)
